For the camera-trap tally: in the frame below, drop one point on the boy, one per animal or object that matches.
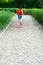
(19, 13)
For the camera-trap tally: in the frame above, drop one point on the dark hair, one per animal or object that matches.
(20, 7)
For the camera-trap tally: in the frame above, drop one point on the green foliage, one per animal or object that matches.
(9, 9)
(39, 16)
(5, 17)
(23, 3)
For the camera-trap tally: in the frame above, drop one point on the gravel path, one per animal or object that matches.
(22, 46)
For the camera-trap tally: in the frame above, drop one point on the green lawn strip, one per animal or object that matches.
(5, 18)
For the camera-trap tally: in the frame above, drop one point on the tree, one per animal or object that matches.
(23, 3)
(41, 1)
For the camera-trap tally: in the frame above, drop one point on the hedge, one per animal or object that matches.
(5, 18)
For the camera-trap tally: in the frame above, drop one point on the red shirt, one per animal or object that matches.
(19, 12)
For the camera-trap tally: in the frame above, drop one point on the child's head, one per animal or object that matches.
(20, 7)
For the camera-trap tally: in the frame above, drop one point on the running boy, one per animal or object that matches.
(19, 13)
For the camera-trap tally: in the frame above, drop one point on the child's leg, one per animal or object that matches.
(20, 23)
(20, 20)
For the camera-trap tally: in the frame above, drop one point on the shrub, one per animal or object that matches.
(9, 9)
(38, 14)
(5, 17)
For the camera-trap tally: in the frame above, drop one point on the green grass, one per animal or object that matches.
(5, 18)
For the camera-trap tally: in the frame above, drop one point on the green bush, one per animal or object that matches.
(38, 14)
(27, 11)
(9, 9)
(5, 17)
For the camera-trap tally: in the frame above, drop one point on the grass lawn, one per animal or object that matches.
(5, 18)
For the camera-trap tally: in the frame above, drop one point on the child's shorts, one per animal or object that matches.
(19, 17)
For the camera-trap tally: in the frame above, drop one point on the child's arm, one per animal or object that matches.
(22, 11)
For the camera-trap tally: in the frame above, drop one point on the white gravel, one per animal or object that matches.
(22, 46)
